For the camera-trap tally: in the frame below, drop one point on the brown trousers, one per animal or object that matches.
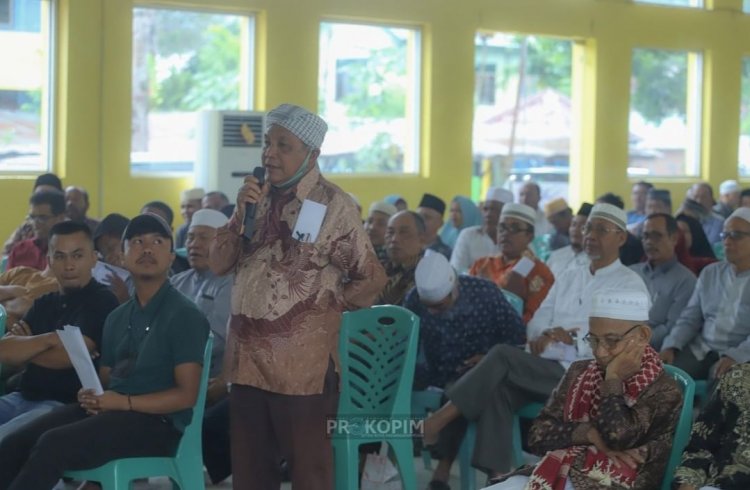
(267, 427)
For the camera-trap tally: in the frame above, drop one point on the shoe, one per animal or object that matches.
(438, 485)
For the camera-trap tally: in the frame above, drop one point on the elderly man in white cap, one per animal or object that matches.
(461, 318)
(508, 378)
(611, 420)
(713, 331)
(210, 292)
(191, 200)
(515, 267)
(308, 260)
(729, 198)
(375, 225)
(480, 241)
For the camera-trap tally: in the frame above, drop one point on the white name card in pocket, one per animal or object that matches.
(309, 221)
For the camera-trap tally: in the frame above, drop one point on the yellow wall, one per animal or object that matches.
(93, 87)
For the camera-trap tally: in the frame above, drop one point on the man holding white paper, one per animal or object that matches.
(49, 380)
(515, 268)
(508, 378)
(309, 259)
(152, 352)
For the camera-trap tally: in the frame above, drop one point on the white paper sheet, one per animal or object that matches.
(524, 266)
(72, 340)
(309, 221)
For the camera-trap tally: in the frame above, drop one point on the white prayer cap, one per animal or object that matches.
(499, 194)
(192, 194)
(611, 213)
(305, 125)
(383, 207)
(741, 213)
(519, 211)
(434, 277)
(620, 305)
(729, 186)
(208, 217)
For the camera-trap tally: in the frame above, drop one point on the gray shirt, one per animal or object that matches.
(212, 294)
(670, 286)
(717, 316)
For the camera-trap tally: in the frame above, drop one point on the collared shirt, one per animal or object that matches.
(400, 281)
(634, 217)
(541, 225)
(31, 253)
(717, 316)
(538, 282)
(472, 244)
(480, 318)
(713, 225)
(142, 345)
(670, 284)
(86, 308)
(565, 257)
(440, 247)
(288, 295)
(213, 295)
(568, 302)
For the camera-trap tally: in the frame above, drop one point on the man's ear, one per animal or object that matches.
(645, 333)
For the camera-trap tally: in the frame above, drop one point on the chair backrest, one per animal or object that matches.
(378, 350)
(540, 246)
(684, 422)
(515, 301)
(3, 319)
(191, 438)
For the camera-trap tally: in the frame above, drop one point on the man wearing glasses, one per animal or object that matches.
(712, 332)
(46, 210)
(515, 231)
(669, 282)
(508, 378)
(610, 421)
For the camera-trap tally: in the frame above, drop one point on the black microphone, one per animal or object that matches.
(249, 222)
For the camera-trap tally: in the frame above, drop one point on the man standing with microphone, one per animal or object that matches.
(307, 261)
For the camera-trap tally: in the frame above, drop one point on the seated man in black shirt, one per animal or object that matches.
(49, 379)
(152, 352)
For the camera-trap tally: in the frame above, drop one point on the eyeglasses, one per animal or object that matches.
(512, 229)
(609, 342)
(598, 230)
(654, 236)
(39, 218)
(733, 235)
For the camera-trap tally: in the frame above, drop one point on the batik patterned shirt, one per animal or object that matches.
(288, 295)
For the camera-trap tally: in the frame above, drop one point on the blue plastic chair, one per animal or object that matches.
(684, 423)
(530, 411)
(378, 351)
(185, 468)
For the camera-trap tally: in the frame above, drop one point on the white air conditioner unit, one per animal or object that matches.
(230, 146)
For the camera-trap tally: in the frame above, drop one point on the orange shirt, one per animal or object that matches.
(498, 270)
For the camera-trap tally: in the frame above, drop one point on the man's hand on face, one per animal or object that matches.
(628, 361)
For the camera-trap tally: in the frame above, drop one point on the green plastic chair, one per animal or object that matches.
(540, 247)
(530, 411)
(378, 350)
(181, 252)
(719, 251)
(4, 264)
(684, 423)
(185, 468)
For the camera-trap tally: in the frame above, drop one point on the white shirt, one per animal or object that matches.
(565, 257)
(568, 302)
(472, 244)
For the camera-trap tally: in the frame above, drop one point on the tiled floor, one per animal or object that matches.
(423, 477)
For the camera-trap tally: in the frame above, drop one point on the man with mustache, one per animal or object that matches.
(151, 356)
(293, 280)
(405, 243)
(669, 282)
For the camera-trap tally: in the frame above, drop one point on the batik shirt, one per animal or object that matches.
(288, 294)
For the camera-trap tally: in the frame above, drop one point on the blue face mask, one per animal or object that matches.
(301, 171)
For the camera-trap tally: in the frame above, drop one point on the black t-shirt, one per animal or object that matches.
(87, 309)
